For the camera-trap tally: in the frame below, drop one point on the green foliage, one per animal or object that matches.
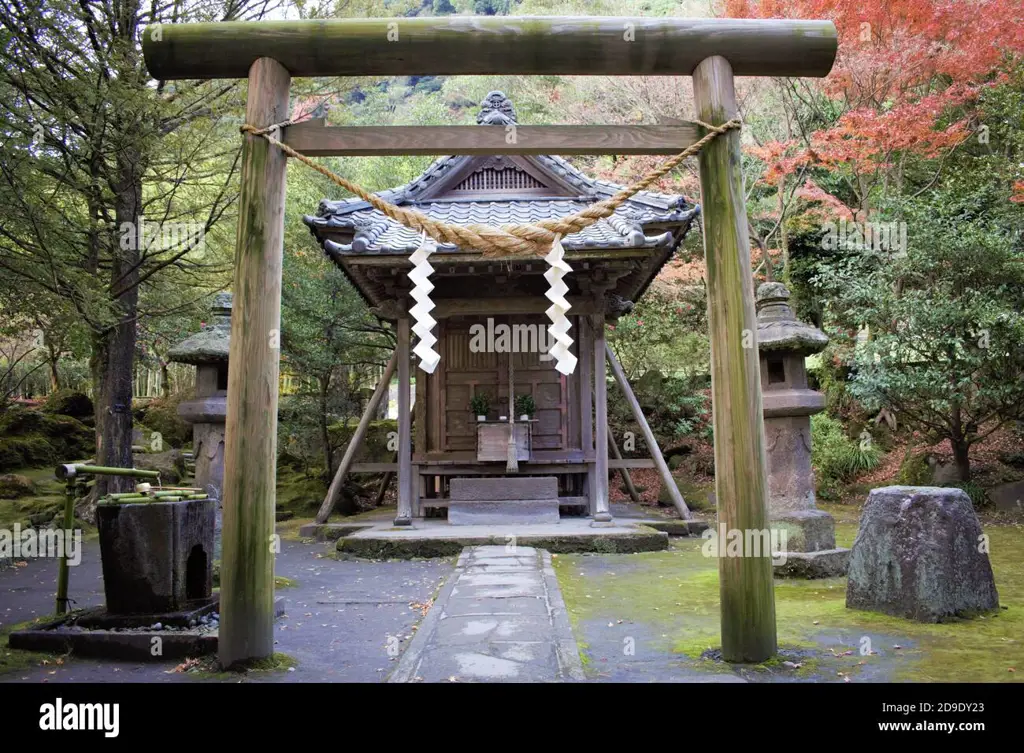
(835, 457)
(525, 405)
(480, 403)
(666, 331)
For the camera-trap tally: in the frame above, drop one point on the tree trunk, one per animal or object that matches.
(114, 351)
(54, 375)
(165, 381)
(325, 434)
(961, 456)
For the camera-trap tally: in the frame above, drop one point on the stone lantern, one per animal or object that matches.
(784, 342)
(208, 350)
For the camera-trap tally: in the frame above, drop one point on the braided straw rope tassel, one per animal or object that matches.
(420, 313)
(565, 361)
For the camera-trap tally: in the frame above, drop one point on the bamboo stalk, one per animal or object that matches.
(63, 574)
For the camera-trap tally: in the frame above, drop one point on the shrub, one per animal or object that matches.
(480, 403)
(914, 471)
(835, 456)
(31, 438)
(13, 487)
(69, 403)
(979, 497)
(161, 415)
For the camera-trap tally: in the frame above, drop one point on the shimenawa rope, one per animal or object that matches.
(508, 240)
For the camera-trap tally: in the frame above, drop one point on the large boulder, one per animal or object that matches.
(170, 464)
(69, 403)
(13, 486)
(920, 554)
(33, 438)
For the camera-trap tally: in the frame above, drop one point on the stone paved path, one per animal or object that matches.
(499, 618)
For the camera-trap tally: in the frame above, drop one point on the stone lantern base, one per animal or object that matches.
(811, 550)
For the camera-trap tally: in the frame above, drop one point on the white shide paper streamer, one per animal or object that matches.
(565, 362)
(424, 322)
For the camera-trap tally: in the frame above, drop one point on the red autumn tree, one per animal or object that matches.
(902, 68)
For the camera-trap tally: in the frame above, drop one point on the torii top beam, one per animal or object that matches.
(491, 45)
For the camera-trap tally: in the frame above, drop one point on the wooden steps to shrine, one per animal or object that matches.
(503, 501)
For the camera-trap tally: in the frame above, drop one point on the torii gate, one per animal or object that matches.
(269, 54)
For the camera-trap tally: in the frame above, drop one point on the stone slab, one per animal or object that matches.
(503, 512)
(678, 527)
(829, 563)
(806, 530)
(503, 488)
(518, 633)
(1008, 496)
(330, 531)
(58, 636)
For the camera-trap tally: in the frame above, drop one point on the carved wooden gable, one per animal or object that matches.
(499, 177)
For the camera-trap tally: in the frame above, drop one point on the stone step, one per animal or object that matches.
(504, 488)
(503, 512)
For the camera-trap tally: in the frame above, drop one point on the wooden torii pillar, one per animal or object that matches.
(270, 53)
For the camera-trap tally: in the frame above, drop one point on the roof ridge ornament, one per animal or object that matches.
(496, 109)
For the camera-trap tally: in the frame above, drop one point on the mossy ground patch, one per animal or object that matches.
(675, 593)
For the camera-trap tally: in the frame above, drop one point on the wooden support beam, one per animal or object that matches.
(649, 438)
(627, 480)
(316, 139)
(250, 443)
(499, 45)
(405, 471)
(747, 595)
(600, 505)
(383, 488)
(356, 441)
(615, 464)
(374, 467)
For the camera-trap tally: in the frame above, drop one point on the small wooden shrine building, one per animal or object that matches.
(613, 262)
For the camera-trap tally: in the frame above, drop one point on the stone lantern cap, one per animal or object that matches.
(778, 329)
(212, 343)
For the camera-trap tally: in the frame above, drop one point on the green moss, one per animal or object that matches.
(15, 660)
(676, 591)
(299, 493)
(47, 501)
(281, 581)
(208, 668)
